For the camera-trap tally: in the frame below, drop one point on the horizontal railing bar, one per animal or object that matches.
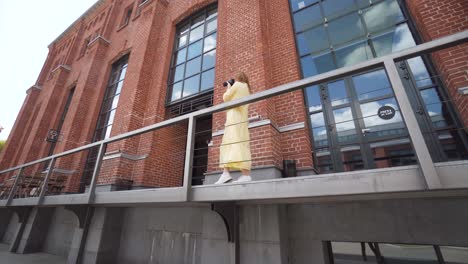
(431, 46)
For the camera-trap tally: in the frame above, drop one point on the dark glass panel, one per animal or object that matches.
(198, 20)
(315, 65)
(420, 73)
(179, 73)
(344, 125)
(210, 42)
(196, 34)
(299, 4)
(335, 8)
(184, 29)
(437, 111)
(211, 26)
(312, 41)
(194, 50)
(307, 18)
(191, 85)
(398, 39)
(122, 74)
(180, 56)
(193, 67)
(176, 91)
(209, 59)
(372, 84)
(353, 54)
(108, 131)
(115, 102)
(383, 15)
(212, 13)
(313, 98)
(337, 93)
(119, 87)
(378, 127)
(182, 41)
(207, 81)
(319, 130)
(345, 29)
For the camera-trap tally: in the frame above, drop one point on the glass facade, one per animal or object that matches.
(193, 60)
(347, 131)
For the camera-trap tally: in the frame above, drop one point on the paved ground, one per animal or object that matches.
(36, 258)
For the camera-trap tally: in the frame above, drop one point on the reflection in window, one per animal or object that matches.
(371, 85)
(353, 54)
(337, 93)
(194, 56)
(420, 72)
(343, 36)
(378, 127)
(307, 18)
(315, 65)
(397, 39)
(334, 8)
(382, 15)
(312, 41)
(345, 29)
(437, 111)
(319, 130)
(344, 124)
(313, 98)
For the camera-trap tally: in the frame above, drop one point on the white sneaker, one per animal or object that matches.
(243, 178)
(225, 177)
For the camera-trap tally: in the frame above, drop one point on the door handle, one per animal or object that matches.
(365, 131)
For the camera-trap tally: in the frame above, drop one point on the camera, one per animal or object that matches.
(231, 82)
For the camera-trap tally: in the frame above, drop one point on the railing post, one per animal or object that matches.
(189, 149)
(46, 181)
(422, 152)
(97, 167)
(13, 188)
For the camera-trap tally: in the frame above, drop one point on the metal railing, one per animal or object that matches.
(387, 62)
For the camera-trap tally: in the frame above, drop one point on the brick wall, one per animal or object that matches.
(438, 18)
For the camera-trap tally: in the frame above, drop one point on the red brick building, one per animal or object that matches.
(129, 64)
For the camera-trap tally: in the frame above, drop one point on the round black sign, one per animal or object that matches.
(386, 112)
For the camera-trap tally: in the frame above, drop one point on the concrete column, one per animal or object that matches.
(23, 214)
(102, 237)
(5, 216)
(35, 230)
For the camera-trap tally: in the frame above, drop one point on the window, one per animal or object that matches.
(111, 99)
(106, 115)
(193, 59)
(332, 34)
(127, 16)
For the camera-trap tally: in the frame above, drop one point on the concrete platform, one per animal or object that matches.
(36, 258)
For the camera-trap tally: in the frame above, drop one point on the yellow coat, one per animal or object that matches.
(235, 147)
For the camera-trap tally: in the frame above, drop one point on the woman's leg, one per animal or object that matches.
(245, 172)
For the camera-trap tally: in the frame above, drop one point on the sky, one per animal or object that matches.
(27, 27)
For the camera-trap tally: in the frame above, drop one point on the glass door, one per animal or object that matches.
(356, 124)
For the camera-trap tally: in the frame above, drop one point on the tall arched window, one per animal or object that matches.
(193, 59)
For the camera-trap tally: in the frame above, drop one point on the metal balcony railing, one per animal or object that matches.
(426, 165)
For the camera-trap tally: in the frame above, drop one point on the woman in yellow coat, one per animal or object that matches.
(235, 146)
